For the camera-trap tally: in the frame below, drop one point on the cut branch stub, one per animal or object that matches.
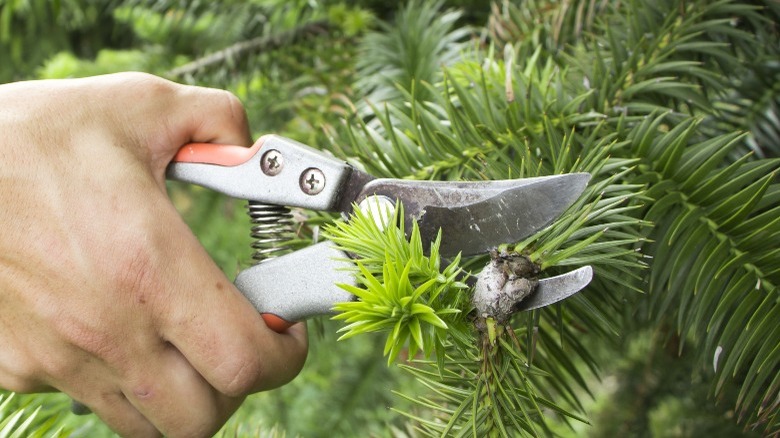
(505, 281)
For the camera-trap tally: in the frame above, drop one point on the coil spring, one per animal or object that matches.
(272, 230)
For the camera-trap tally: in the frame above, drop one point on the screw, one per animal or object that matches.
(312, 181)
(272, 162)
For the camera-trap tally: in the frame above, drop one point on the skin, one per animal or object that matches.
(105, 293)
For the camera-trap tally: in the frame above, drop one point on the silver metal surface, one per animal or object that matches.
(476, 217)
(248, 181)
(554, 289)
(299, 285)
(312, 181)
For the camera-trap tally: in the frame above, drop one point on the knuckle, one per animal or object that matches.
(237, 110)
(234, 107)
(238, 376)
(151, 83)
(137, 87)
(233, 102)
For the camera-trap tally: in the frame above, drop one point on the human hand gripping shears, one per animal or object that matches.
(276, 173)
(475, 217)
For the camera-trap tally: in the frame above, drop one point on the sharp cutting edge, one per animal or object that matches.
(554, 289)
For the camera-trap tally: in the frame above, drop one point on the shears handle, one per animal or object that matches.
(275, 170)
(298, 285)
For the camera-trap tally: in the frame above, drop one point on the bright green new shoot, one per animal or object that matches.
(400, 291)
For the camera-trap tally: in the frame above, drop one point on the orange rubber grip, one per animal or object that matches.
(276, 323)
(219, 154)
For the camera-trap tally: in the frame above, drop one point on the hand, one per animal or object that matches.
(105, 294)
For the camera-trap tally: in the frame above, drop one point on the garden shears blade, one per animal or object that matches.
(554, 289)
(474, 217)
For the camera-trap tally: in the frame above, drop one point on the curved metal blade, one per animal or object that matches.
(476, 217)
(554, 289)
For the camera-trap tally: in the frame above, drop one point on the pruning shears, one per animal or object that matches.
(475, 217)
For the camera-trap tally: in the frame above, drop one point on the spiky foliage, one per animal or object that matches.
(32, 418)
(659, 100)
(402, 291)
(708, 212)
(414, 47)
(641, 88)
(482, 380)
(604, 211)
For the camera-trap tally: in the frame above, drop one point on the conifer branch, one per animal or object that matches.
(251, 46)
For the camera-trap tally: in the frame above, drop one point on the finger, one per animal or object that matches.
(218, 330)
(118, 413)
(16, 371)
(230, 345)
(176, 398)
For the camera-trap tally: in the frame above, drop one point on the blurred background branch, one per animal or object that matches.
(673, 105)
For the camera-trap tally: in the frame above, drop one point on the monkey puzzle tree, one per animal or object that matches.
(672, 107)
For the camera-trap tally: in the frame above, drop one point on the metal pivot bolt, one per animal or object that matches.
(272, 162)
(380, 208)
(312, 181)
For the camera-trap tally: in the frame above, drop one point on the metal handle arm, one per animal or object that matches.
(275, 170)
(298, 285)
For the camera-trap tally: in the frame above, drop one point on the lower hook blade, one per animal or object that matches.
(554, 289)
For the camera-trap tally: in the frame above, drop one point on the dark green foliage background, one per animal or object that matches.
(652, 82)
